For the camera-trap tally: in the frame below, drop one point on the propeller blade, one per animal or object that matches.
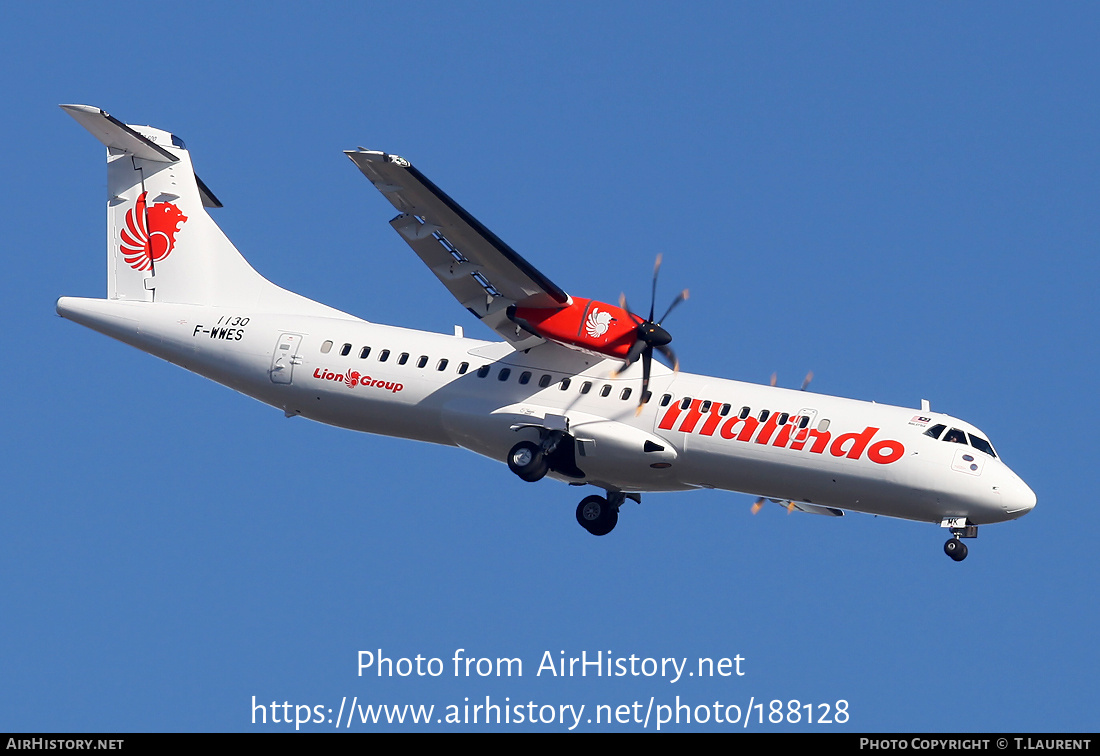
(790, 507)
(647, 362)
(625, 306)
(636, 350)
(681, 297)
(653, 294)
(775, 377)
(806, 381)
(757, 505)
(670, 356)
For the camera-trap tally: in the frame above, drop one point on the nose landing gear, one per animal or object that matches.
(960, 528)
(955, 549)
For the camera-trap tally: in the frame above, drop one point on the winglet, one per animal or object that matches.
(117, 135)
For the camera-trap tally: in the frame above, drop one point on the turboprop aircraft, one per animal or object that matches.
(573, 391)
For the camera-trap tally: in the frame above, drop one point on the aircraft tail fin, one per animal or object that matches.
(162, 244)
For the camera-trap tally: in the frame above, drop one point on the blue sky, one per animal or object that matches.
(902, 199)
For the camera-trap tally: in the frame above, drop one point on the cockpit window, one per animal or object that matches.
(935, 430)
(981, 445)
(955, 436)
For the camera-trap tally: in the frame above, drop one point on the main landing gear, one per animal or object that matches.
(528, 461)
(556, 451)
(598, 515)
(960, 528)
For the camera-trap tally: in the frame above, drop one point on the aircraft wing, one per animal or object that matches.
(485, 275)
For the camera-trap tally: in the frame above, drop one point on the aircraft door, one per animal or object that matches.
(285, 358)
(803, 423)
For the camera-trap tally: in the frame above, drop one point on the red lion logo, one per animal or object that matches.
(150, 233)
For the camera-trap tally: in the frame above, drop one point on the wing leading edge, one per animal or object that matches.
(482, 272)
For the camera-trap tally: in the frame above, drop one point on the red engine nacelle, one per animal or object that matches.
(594, 326)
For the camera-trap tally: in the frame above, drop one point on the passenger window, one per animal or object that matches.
(955, 436)
(646, 397)
(705, 406)
(504, 373)
(625, 394)
(564, 385)
(744, 413)
(422, 361)
(403, 358)
(463, 367)
(442, 365)
(586, 387)
(364, 353)
(483, 371)
(544, 381)
(525, 377)
(725, 410)
(804, 421)
(605, 390)
(935, 430)
(782, 418)
(345, 350)
(823, 425)
(326, 347)
(684, 403)
(665, 399)
(384, 355)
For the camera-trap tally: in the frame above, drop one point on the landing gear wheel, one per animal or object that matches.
(597, 516)
(527, 461)
(955, 549)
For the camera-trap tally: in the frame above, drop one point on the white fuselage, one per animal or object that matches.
(695, 432)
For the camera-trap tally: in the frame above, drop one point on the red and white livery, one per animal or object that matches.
(572, 392)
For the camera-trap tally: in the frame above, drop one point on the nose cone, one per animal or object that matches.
(1019, 498)
(1029, 498)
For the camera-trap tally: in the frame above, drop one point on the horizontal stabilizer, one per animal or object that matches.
(117, 135)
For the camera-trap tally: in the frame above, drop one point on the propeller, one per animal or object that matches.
(759, 504)
(805, 381)
(649, 335)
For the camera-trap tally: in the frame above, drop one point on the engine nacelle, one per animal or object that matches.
(585, 324)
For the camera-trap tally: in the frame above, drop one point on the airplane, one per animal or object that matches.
(572, 392)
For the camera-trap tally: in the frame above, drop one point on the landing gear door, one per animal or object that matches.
(285, 358)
